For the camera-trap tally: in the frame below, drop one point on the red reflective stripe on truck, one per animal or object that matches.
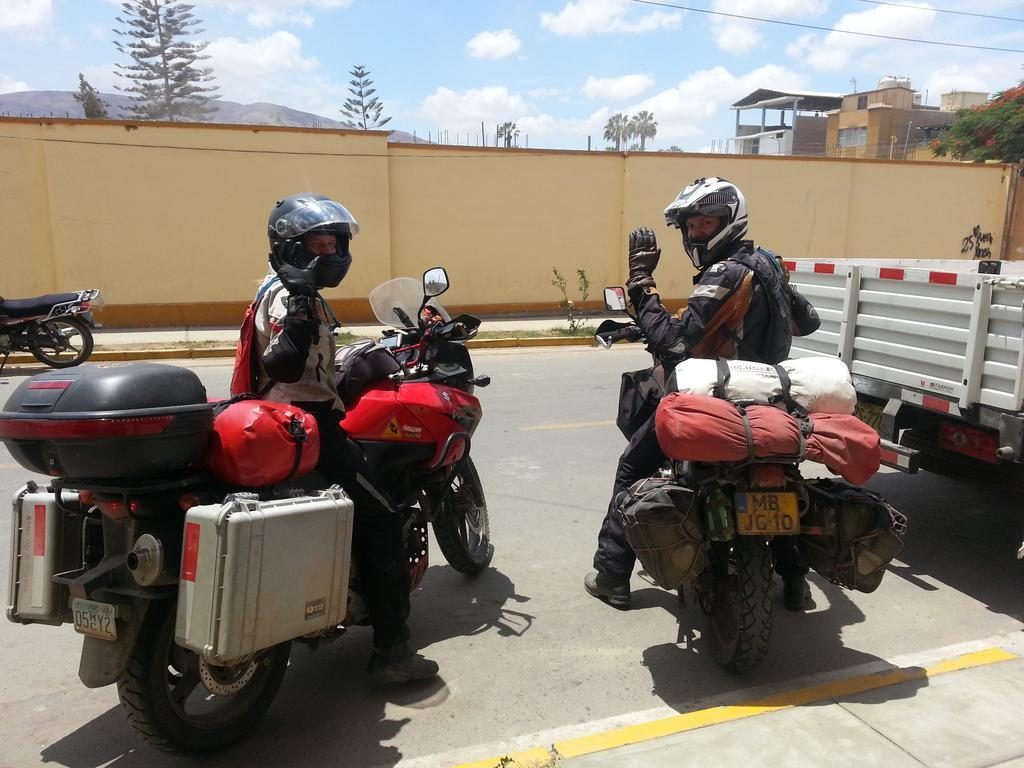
(890, 457)
(191, 555)
(790, 265)
(825, 269)
(935, 403)
(890, 273)
(942, 278)
(40, 531)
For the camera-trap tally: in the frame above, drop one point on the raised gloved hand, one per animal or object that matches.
(644, 254)
(298, 281)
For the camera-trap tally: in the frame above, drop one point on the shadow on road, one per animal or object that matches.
(329, 711)
(962, 533)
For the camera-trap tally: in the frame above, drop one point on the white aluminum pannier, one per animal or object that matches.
(255, 574)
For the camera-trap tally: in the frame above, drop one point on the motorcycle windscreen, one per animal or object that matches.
(396, 302)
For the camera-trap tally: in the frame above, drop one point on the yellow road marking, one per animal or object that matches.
(576, 425)
(633, 734)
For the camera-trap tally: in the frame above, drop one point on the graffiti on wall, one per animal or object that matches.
(977, 242)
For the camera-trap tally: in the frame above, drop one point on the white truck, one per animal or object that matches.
(936, 349)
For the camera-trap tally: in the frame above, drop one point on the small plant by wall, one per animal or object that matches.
(567, 305)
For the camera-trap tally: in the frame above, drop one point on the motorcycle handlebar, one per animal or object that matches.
(629, 333)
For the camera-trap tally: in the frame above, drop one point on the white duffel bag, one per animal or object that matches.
(818, 384)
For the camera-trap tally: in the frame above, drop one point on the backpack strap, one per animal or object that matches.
(253, 365)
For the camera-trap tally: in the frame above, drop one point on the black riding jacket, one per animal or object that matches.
(729, 313)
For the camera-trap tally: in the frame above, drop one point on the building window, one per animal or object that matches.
(853, 137)
(862, 102)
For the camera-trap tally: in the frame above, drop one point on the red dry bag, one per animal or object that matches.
(261, 442)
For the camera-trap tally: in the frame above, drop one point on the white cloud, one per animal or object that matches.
(10, 85)
(743, 35)
(616, 88)
(25, 15)
(835, 51)
(494, 45)
(269, 13)
(273, 68)
(465, 111)
(598, 17)
(988, 76)
(701, 97)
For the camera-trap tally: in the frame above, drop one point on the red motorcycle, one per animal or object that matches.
(188, 541)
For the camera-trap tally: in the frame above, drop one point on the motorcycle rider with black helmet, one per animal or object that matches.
(310, 236)
(741, 308)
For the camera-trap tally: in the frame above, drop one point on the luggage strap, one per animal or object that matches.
(298, 433)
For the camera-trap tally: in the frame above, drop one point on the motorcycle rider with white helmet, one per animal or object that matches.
(294, 363)
(741, 308)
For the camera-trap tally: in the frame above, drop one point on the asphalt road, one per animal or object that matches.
(525, 654)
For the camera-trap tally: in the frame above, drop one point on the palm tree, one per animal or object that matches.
(643, 126)
(617, 129)
(508, 131)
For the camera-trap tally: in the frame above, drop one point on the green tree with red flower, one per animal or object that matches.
(992, 131)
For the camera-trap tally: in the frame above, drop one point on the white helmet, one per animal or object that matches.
(710, 197)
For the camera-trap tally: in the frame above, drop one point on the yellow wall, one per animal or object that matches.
(169, 219)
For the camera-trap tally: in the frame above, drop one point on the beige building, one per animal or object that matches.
(891, 122)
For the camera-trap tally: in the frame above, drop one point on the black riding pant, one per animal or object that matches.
(642, 458)
(378, 540)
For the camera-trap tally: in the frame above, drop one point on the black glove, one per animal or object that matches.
(644, 254)
(298, 281)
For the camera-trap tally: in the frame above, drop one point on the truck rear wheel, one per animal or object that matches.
(178, 703)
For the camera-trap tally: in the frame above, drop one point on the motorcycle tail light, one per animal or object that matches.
(39, 429)
(768, 476)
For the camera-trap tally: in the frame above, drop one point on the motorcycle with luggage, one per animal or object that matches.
(734, 434)
(190, 542)
(56, 329)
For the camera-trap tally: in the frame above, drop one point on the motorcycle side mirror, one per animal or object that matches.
(435, 282)
(615, 299)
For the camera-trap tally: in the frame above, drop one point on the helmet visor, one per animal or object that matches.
(314, 213)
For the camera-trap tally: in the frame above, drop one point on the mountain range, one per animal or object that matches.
(63, 104)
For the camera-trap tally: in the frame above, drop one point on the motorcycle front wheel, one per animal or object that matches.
(734, 591)
(178, 703)
(61, 343)
(461, 525)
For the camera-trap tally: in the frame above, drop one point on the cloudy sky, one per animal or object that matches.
(557, 69)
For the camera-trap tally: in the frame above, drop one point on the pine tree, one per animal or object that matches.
(363, 108)
(89, 98)
(167, 81)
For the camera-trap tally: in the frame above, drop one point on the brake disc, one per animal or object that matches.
(224, 681)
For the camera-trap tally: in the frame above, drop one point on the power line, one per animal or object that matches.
(824, 29)
(941, 10)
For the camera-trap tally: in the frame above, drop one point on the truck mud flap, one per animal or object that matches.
(900, 457)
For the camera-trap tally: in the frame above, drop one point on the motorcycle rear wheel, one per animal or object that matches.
(734, 592)
(68, 342)
(461, 526)
(171, 706)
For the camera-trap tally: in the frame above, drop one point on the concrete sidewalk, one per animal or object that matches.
(966, 709)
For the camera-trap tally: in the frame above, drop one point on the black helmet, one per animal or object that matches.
(710, 197)
(306, 213)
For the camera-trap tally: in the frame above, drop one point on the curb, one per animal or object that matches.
(196, 353)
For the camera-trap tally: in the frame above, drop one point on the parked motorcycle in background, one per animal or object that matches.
(735, 434)
(56, 329)
(191, 542)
